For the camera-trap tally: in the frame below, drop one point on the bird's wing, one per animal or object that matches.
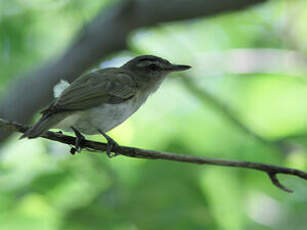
(109, 86)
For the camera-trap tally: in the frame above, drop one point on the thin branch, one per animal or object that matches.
(204, 96)
(292, 137)
(219, 106)
(270, 170)
(276, 182)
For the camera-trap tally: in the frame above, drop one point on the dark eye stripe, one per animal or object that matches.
(154, 67)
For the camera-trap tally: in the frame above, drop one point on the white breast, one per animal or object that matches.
(107, 116)
(104, 117)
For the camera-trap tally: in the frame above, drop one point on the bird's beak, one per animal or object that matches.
(174, 67)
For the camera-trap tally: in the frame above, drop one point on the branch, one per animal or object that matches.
(270, 170)
(282, 146)
(106, 34)
(204, 96)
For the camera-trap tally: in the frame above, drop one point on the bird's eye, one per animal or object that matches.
(153, 67)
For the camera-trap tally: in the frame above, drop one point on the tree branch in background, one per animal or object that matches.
(106, 34)
(270, 170)
(219, 106)
(247, 61)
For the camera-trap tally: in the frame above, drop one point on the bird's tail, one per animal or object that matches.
(43, 125)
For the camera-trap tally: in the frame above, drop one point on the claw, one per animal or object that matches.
(110, 144)
(78, 143)
(73, 150)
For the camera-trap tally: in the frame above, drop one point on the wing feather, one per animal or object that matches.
(109, 86)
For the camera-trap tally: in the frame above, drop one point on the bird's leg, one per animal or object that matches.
(110, 144)
(79, 139)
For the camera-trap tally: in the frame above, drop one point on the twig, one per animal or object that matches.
(204, 96)
(280, 146)
(270, 170)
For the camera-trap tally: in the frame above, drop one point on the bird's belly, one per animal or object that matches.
(105, 117)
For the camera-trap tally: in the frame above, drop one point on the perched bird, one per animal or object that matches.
(99, 101)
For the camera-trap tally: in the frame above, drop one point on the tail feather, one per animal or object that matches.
(42, 126)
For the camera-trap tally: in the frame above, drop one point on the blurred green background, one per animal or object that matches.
(249, 66)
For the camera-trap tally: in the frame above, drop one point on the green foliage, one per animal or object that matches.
(43, 187)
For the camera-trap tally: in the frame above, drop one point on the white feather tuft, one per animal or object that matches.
(59, 88)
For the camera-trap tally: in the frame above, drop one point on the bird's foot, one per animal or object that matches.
(78, 143)
(110, 145)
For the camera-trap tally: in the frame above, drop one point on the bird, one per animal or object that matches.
(99, 101)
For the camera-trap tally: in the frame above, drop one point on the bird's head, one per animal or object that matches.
(151, 68)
